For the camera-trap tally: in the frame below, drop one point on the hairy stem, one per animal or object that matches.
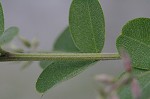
(58, 56)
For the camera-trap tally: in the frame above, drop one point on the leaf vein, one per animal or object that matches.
(91, 26)
(142, 43)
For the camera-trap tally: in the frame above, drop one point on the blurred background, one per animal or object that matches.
(44, 20)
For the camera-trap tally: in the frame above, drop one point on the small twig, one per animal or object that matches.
(58, 56)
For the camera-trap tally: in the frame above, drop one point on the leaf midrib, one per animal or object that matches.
(91, 26)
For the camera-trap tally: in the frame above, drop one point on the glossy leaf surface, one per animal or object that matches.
(57, 71)
(135, 38)
(87, 26)
(144, 81)
(8, 35)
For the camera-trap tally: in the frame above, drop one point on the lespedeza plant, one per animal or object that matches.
(80, 45)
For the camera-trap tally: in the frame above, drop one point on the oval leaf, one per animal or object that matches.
(144, 81)
(87, 25)
(57, 71)
(1, 20)
(135, 38)
(8, 35)
(64, 42)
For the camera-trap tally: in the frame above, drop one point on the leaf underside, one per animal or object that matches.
(65, 43)
(135, 38)
(8, 35)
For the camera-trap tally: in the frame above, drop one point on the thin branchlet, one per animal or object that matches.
(8, 56)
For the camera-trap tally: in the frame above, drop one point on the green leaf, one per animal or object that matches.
(87, 26)
(8, 35)
(65, 43)
(1, 20)
(144, 81)
(135, 38)
(88, 29)
(44, 64)
(58, 71)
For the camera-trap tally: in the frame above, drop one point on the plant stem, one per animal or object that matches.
(58, 56)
